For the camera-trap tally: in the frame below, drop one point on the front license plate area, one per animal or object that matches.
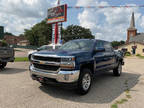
(41, 79)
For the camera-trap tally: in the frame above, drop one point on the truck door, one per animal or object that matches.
(99, 56)
(109, 55)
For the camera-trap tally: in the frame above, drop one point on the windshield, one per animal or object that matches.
(78, 45)
(45, 48)
(42, 47)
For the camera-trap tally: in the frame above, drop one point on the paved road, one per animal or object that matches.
(17, 90)
(21, 52)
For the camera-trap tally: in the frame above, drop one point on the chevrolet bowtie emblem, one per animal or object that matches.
(41, 62)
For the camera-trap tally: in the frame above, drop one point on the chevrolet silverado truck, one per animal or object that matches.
(75, 63)
(6, 54)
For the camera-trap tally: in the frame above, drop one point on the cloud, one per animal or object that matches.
(107, 23)
(17, 15)
(141, 22)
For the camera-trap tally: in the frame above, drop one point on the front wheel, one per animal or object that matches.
(118, 70)
(84, 82)
(29, 57)
(3, 64)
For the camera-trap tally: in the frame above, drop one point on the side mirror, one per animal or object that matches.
(38, 49)
(99, 50)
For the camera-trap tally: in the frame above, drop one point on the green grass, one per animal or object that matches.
(127, 91)
(138, 55)
(121, 101)
(141, 57)
(114, 106)
(21, 59)
(128, 96)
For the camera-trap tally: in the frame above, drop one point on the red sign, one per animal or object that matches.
(57, 14)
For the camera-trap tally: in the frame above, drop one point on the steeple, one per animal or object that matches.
(131, 31)
(132, 23)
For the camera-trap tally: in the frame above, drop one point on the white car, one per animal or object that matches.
(44, 47)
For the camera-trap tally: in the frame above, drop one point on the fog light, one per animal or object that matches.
(66, 77)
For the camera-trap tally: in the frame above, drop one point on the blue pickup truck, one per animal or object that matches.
(75, 63)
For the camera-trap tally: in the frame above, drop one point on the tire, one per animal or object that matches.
(84, 82)
(43, 84)
(29, 57)
(118, 70)
(3, 65)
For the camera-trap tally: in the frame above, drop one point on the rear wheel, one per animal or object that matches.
(84, 82)
(118, 70)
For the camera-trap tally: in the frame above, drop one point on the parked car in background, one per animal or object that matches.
(75, 63)
(6, 54)
(44, 47)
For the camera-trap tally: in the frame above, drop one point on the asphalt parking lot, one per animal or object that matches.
(18, 90)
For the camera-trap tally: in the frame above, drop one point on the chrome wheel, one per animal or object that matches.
(86, 81)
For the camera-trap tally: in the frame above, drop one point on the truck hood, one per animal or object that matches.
(64, 53)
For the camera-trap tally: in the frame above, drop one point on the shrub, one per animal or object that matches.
(127, 54)
(3, 43)
(138, 55)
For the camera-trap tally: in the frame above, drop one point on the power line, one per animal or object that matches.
(114, 6)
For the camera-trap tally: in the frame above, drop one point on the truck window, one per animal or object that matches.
(108, 46)
(84, 45)
(99, 44)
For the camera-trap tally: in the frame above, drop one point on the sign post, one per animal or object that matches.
(56, 15)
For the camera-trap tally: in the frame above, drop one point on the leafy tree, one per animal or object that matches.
(7, 33)
(39, 34)
(122, 42)
(117, 43)
(76, 32)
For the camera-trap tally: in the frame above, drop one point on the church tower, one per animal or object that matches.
(131, 31)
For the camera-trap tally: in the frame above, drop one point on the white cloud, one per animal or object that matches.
(86, 2)
(107, 23)
(17, 15)
(142, 22)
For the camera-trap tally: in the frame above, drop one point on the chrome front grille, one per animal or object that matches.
(50, 59)
(46, 64)
(46, 67)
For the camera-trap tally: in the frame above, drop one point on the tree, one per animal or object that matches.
(39, 34)
(117, 43)
(7, 33)
(76, 32)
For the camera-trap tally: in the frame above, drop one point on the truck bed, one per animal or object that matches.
(6, 54)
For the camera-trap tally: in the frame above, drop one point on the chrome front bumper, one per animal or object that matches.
(61, 76)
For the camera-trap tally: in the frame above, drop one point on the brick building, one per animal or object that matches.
(135, 41)
(13, 40)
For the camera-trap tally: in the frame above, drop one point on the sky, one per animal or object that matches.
(108, 23)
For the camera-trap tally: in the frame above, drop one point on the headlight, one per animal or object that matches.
(68, 59)
(67, 63)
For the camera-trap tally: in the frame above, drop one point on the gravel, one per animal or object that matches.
(18, 90)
